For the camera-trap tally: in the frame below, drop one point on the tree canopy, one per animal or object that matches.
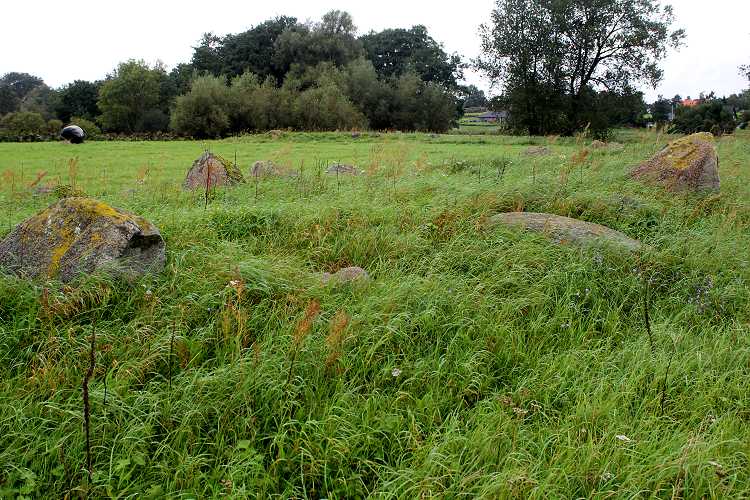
(550, 55)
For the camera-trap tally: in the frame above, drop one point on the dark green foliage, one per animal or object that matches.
(710, 116)
(204, 111)
(78, 99)
(254, 50)
(473, 97)
(661, 110)
(14, 90)
(395, 52)
(23, 126)
(133, 98)
(91, 128)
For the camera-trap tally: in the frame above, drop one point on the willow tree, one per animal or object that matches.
(551, 56)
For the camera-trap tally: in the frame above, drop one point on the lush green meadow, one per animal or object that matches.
(475, 363)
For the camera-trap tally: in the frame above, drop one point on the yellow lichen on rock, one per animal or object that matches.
(689, 162)
(79, 235)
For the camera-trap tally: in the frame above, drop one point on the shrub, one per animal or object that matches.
(327, 108)
(54, 126)
(711, 116)
(205, 110)
(23, 126)
(90, 128)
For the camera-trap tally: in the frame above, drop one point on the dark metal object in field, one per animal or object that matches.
(73, 134)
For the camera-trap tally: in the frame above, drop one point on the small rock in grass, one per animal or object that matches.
(212, 169)
(688, 163)
(537, 151)
(346, 275)
(270, 169)
(564, 230)
(342, 169)
(77, 236)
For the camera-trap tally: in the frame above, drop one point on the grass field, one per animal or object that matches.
(475, 363)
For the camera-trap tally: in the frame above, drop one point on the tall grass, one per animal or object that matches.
(475, 363)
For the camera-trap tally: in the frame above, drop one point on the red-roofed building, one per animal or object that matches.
(690, 103)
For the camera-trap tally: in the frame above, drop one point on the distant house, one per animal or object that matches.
(690, 103)
(493, 117)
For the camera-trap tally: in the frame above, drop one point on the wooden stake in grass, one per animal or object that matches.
(86, 405)
(208, 183)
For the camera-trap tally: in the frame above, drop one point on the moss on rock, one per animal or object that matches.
(690, 162)
(78, 236)
(213, 170)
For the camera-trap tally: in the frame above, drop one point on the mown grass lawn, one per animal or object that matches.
(475, 363)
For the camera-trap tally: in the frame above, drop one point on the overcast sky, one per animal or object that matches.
(59, 43)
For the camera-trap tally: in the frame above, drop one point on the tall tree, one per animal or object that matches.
(564, 49)
(131, 99)
(395, 52)
(253, 50)
(14, 88)
(78, 99)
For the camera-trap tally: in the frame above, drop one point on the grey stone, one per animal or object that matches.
(688, 163)
(346, 275)
(564, 230)
(212, 169)
(341, 169)
(77, 236)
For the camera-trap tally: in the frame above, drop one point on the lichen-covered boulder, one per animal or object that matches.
(537, 151)
(341, 169)
(78, 236)
(687, 163)
(270, 169)
(212, 169)
(346, 275)
(564, 230)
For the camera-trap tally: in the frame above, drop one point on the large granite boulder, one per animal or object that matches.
(78, 236)
(564, 230)
(687, 163)
(213, 170)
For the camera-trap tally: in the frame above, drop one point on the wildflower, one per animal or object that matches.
(623, 438)
(607, 477)
(715, 464)
(520, 411)
(234, 283)
(395, 372)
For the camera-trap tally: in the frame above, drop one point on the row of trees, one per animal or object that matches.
(561, 66)
(279, 74)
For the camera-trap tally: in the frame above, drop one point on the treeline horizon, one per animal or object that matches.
(321, 76)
